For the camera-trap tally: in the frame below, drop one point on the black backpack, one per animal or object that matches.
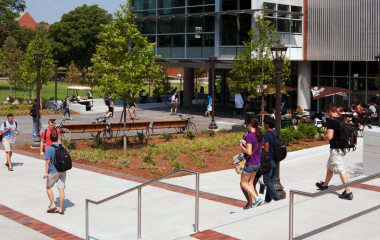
(347, 137)
(279, 148)
(193, 98)
(64, 104)
(5, 124)
(33, 111)
(62, 159)
(265, 164)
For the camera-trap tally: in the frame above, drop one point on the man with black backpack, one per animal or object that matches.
(45, 137)
(338, 135)
(194, 100)
(33, 113)
(58, 161)
(9, 130)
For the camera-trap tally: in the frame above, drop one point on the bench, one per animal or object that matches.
(86, 127)
(131, 126)
(169, 124)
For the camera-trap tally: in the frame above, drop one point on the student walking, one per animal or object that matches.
(194, 100)
(209, 106)
(66, 106)
(53, 176)
(9, 130)
(45, 137)
(239, 103)
(254, 141)
(335, 162)
(132, 108)
(33, 113)
(269, 138)
(173, 104)
(109, 113)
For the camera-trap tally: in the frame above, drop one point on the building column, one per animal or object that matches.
(188, 86)
(304, 82)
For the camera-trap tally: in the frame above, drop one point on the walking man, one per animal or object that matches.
(45, 137)
(173, 104)
(53, 176)
(33, 113)
(194, 100)
(9, 130)
(132, 108)
(335, 163)
(209, 106)
(239, 103)
(66, 106)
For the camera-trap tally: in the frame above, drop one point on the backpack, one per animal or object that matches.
(62, 159)
(265, 164)
(347, 137)
(33, 111)
(64, 104)
(207, 102)
(193, 98)
(46, 133)
(1, 135)
(279, 148)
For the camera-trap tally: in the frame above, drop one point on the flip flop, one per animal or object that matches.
(62, 213)
(50, 210)
(10, 169)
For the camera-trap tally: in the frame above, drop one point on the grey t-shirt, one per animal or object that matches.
(9, 136)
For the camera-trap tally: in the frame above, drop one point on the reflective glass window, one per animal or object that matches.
(314, 69)
(151, 39)
(171, 40)
(171, 11)
(359, 86)
(143, 4)
(209, 1)
(342, 68)
(245, 4)
(244, 22)
(272, 20)
(204, 24)
(314, 103)
(146, 13)
(194, 9)
(282, 25)
(147, 27)
(341, 100)
(234, 29)
(328, 82)
(373, 70)
(174, 25)
(283, 8)
(273, 7)
(164, 40)
(195, 2)
(297, 9)
(296, 26)
(226, 5)
(170, 3)
(373, 87)
(326, 68)
(200, 40)
(358, 69)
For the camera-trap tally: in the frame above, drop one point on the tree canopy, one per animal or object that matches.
(76, 34)
(9, 12)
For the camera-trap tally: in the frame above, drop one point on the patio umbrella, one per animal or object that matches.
(267, 88)
(375, 93)
(322, 91)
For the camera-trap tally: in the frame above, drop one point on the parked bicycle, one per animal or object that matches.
(190, 125)
(55, 107)
(63, 132)
(107, 132)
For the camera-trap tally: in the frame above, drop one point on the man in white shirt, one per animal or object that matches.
(9, 130)
(372, 108)
(239, 103)
(173, 104)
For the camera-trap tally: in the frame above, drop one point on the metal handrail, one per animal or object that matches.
(139, 200)
(317, 194)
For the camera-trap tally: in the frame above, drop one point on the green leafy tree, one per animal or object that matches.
(23, 36)
(75, 35)
(9, 12)
(74, 73)
(287, 136)
(123, 59)
(44, 44)
(12, 59)
(199, 73)
(254, 67)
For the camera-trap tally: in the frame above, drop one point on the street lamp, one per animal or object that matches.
(56, 75)
(278, 53)
(38, 58)
(212, 60)
(378, 67)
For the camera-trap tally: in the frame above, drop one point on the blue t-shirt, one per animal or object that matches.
(209, 101)
(50, 155)
(67, 103)
(268, 138)
(254, 159)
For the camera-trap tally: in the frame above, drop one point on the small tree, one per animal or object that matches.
(11, 61)
(122, 59)
(74, 73)
(298, 135)
(199, 73)
(311, 131)
(287, 136)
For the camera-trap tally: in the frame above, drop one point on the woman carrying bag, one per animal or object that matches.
(254, 141)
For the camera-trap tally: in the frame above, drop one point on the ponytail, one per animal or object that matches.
(255, 124)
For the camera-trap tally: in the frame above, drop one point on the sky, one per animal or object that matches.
(51, 11)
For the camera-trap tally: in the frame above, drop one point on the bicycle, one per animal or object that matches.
(190, 125)
(64, 133)
(107, 132)
(54, 108)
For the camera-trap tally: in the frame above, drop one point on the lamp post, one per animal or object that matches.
(278, 52)
(56, 75)
(38, 58)
(378, 67)
(212, 60)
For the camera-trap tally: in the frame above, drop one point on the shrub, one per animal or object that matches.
(140, 137)
(190, 135)
(72, 145)
(84, 139)
(65, 142)
(149, 159)
(176, 165)
(302, 128)
(287, 136)
(211, 133)
(154, 170)
(25, 143)
(297, 135)
(311, 131)
(320, 131)
(122, 162)
(166, 136)
(99, 143)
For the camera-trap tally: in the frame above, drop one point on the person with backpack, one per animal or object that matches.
(9, 130)
(45, 137)
(336, 130)
(269, 139)
(209, 106)
(33, 113)
(194, 100)
(173, 102)
(254, 141)
(66, 107)
(58, 161)
(109, 113)
(132, 108)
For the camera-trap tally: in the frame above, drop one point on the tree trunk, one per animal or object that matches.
(24, 94)
(10, 89)
(262, 110)
(125, 127)
(30, 93)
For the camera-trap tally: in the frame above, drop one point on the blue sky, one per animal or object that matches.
(51, 11)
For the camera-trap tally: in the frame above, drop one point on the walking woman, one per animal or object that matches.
(66, 106)
(254, 140)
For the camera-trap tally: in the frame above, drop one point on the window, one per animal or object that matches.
(171, 40)
(174, 25)
(143, 4)
(170, 3)
(297, 9)
(326, 68)
(147, 27)
(314, 69)
(171, 11)
(342, 69)
(146, 13)
(358, 69)
(296, 26)
(282, 25)
(341, 100)
(359, 86)
(226, 5)
(200, 2)
(206, 23)
(200, 40)
(373, 70)
(271, 6)
(283, 8)
(234, 29)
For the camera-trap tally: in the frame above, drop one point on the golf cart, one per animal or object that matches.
(85, 99)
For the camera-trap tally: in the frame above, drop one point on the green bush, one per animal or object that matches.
(320, 131)
(302, 128)
(122, 162)
(99, 143)
(297, 135)
(311, 131)
(72, 145)
(190, 135)
(211, 133)
(166, 136)
(287, 136)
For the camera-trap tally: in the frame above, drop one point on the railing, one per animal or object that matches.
(139, 200)
(317, 194)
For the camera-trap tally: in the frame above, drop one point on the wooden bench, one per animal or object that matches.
(169, 124)
(131, 126)
(86, 127)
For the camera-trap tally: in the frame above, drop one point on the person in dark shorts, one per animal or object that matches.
(173, 104)
(132, 108)
(335, 162)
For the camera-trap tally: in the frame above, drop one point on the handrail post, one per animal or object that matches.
(197, 203)
(139, 215)
(87, 227)
(291, 202)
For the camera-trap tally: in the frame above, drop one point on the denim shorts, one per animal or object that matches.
(248, 169)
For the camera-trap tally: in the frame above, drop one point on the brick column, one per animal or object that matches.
(305, 29)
